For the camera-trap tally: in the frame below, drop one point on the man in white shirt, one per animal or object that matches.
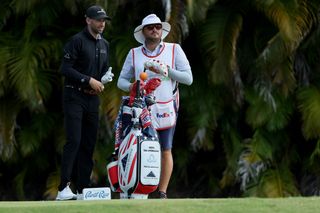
(153, 54)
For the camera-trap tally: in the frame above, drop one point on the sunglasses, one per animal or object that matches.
(151, 26)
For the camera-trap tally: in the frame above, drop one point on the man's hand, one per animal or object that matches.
(157, 67)
(152, 85)
(133, 91)
(106, 78)
(97, 86)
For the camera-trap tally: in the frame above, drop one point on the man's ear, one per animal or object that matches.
(88, 20)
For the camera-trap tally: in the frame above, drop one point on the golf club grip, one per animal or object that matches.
(138, 89)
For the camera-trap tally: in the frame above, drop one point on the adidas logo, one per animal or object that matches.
(151, 174)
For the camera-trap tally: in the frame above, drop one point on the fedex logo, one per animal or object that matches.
(164, 115)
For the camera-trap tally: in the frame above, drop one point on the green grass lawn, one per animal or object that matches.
(229, 205)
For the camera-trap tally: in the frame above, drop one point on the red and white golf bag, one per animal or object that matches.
(135, 169)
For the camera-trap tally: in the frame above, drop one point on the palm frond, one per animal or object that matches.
(9, 110)
(232, 147)
(278, 182)
(19, 184)
(315, 156)
(120, 47)
(254, 159)
(4, 57)
(52, 185)
(302, 69)
(32, 136)
(310, 185)
(260, 113)
(293, 21)
(279, 13)
(5, 13)
(197, 9)
(206, 113)
(29, 72)
(309, 106)
(219, 37)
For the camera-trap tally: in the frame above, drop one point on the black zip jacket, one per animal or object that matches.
(84, 57)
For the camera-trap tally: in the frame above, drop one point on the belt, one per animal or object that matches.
(86, 91)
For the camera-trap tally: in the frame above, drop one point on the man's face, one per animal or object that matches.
(97, 26)
(152, 32)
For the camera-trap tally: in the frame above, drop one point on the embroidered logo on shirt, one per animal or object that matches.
(103, 51)
(67, 56)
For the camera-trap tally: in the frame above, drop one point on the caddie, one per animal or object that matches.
(168, 62)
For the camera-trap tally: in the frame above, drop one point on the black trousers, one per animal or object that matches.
(81, 113)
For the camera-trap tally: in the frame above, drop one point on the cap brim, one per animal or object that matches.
(101, 17)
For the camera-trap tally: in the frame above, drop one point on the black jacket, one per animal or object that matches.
(84, 57)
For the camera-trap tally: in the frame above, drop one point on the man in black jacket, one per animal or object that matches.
(85, 68)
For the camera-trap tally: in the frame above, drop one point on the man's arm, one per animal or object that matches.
(182, 71)
(70, 56)
(126, 74)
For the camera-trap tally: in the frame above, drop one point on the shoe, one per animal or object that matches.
(79, 196)
(162, 195)
(66, 194)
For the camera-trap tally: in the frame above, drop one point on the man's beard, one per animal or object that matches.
(96, 30)
(153, 40)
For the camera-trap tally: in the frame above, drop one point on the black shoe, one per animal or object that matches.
(162, 195)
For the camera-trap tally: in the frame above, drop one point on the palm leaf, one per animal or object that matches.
(19, 183)
(197, 9)
(280, 13)
(309, 106)
(9, 110)
(202, 125)
(253, 160)
(219, 38)
(260, 113)
(310, 184)
(32, 136)
(232, 148)
(278, 182)
(29, 73)
(52, 185)
(274, 62)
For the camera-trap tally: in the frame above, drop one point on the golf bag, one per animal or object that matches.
(135, 167)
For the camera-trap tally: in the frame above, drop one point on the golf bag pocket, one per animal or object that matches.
(139, 165)
(150, 166)
(163, 115)
(112, 170)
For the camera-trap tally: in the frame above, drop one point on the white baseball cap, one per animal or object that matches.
(151, 19)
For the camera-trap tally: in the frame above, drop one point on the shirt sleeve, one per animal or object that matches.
(70, 55)
(106, 64)
(126, 74)
(181, 72)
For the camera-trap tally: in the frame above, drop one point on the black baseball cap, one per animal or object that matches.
(97, 12)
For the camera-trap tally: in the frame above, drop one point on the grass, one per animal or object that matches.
(229, 205)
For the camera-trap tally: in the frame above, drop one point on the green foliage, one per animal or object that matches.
(278, 182)
(273, 117)
(309, 105)
(222, 41)
(250, 116)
